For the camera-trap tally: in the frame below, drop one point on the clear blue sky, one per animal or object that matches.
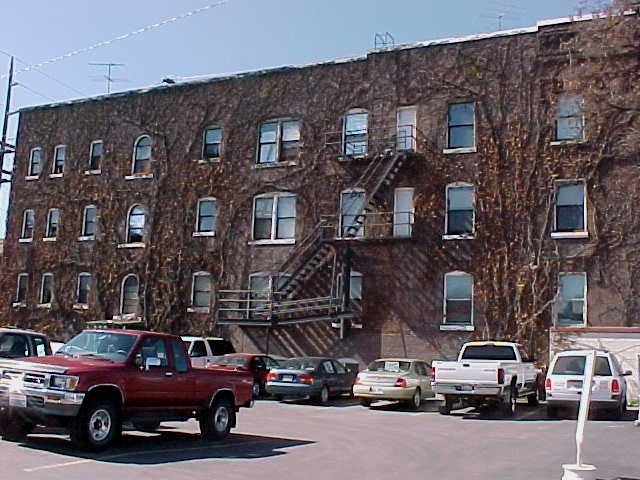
(232, 36)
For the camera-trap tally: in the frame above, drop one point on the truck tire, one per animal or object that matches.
(509, 401)
(97, 426)
(216, 422)
(446, 407)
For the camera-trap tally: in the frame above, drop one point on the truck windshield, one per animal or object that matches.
(107, 345)
(488, 352)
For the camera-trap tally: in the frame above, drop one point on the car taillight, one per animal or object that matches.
(501, 376)
(305, 378)
(547, 383)
(357, 380)
(271, 376)
(433, 374)
(615, 386)
(400, 382)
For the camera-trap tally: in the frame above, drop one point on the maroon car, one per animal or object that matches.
(257, 364)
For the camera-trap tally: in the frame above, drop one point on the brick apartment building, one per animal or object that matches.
(397, 203)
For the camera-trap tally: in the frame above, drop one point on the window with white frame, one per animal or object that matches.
(355, 132)
(406, 132)
(355, 285)
(274, 216)
(351, 212)
(206, 216)
(28, 219)
(279, 141)
(201, 290)
(46, 289)
(53, 223)
(569, 119)
(89, 221)
(95, 156)
(211, 141)
(59, 157)
(459, 220)
(403, 212)
(461, 125)
(458, 299)
(21, 288)
(35, 162)
(571, 306)
(570, 212)
(142, 156)
(129, 297)
(135, 224)
(261, 285)
(83, 288)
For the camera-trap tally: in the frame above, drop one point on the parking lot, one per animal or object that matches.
(343, 440)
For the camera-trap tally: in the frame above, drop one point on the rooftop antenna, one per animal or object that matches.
(383, 40)
(6, 148)
(108, 76)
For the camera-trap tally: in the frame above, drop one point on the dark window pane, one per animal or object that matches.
(569, 218)
(460, 222)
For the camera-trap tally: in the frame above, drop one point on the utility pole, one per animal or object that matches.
(4, 146)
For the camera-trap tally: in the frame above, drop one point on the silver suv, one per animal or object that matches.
(563, 384)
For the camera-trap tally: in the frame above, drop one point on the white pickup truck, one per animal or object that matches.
(486, 373)
(203, 350)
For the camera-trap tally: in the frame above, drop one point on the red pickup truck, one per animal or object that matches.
(102, 378)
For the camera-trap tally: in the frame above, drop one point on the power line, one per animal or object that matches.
(120, 37)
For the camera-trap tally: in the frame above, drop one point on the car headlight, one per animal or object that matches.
(63, 382)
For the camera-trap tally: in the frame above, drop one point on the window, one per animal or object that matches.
(461, 125)
(458, 299)
(129, 299)
(569, 122)
(179, 357)
(95, 156)
(403, 212)
(153, 347)
(201, 290)
(142, 156)
(35, 162)
(84, 285)
(135, 224)
(46, 289)
(274, 216)
(351, 213)
(21, 289)
(27, 225)
(53, 223)
(355, 285)
(406, 129)
(459, 219)
(89, 221)
(571, 299)
(569, 208)
(211, 142)
(261, 284)
(354, 132)
(59, 156)
(279, 141)
(206, 216)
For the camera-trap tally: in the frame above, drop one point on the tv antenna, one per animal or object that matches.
(383, 40)
(108, 76)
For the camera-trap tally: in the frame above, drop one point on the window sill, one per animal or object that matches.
(30, 178)
(569, 234)
(56, 175)
(203, 234)
(92, 172)
(449, 151)
(43, 305)
(87, 238)
(139, 176)
(259, 166)
(198, 309)
(25, 240)
(207, 161)
(49, 239)
(562, 143)
(464, 236)
(19, 305)
(284, 241)
(132, 245)
(457, 327)
(80, 306)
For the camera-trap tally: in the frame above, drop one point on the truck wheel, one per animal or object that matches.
(416, 400)
(446, 407)
(97, 426)
(365, 402)
(216, 422)
(509, 402)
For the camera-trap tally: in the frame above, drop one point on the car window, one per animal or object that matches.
(328, 366)
(41, 346)
(199, 349)
(154, 347)
(569, 365)
(393, 366)
(602, 368)
(179, 358)
(13, 346)
(271, 363)
(339, 368)
(300, 363)
(420, 369)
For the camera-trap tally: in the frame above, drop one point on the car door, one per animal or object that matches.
(343, 377)
(424, 379)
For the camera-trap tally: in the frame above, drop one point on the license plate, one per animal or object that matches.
(464, 388)
(287, 378)
(375, 390)
(17, 399)
(574, 383)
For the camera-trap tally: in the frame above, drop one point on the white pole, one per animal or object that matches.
(579, 470)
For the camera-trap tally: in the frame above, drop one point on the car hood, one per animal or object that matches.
(56, 363)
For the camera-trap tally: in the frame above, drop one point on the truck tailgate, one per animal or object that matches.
(469, 372)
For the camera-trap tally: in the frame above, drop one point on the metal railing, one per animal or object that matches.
(374, 141)
(376, 225)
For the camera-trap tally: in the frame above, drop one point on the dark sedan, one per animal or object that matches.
(315, 377)
(259, 365)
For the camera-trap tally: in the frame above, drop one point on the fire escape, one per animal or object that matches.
(324, 253)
